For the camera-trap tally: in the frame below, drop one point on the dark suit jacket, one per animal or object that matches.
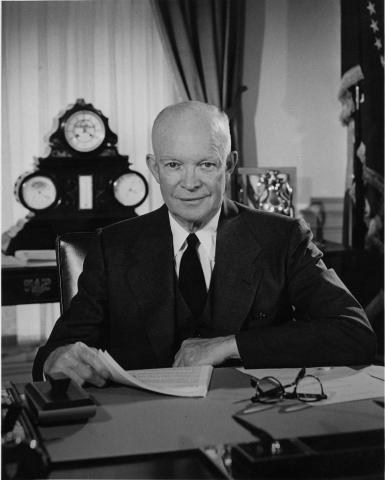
(270, 288)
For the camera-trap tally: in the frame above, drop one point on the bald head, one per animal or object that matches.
(185, 118)
(192, 161)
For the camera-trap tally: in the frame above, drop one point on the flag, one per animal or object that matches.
(362, 97)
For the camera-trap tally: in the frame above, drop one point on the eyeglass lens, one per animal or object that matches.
(309, 389)
(268, 390)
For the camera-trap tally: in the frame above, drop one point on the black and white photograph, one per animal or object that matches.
(192, 238)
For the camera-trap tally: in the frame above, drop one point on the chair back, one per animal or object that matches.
(71, 249)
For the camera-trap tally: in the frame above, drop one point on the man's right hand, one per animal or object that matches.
(79, 362)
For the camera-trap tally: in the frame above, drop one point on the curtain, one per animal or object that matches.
(54, 52)
(204, 40)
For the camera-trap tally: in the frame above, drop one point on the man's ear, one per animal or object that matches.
(231, 162)
(153, 166)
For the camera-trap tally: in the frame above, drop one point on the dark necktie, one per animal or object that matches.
(191, 279)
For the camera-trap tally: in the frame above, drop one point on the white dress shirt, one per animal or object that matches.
(206, 250)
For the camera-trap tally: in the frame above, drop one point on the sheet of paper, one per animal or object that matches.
(35, 257)
(10, 261)
(182, 382)
(341, 384)
(30, 258)
(36, 254)
(287, 375)
(376, 371)
(355, 387)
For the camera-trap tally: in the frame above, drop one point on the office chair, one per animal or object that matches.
(71, 249)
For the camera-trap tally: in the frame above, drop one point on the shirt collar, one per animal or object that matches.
(206, 235)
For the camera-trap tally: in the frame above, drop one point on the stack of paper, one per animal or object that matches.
(36, 258)
(180, 382)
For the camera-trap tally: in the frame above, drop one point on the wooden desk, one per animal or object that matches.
(189, 464)
(128, 417)
(29, 285)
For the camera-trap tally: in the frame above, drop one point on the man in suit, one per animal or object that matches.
(204, 280)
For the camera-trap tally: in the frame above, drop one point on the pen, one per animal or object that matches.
(295, 408)
(379, 403)
(256, 408)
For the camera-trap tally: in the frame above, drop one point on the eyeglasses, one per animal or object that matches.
(307, 388)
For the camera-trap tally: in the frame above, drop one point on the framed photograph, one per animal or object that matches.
(272, 189)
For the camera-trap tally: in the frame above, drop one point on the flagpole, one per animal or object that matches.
(358, 224)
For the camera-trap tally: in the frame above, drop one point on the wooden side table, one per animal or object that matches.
(29, 284)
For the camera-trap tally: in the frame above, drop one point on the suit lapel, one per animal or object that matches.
(238, 271)
(150, 274)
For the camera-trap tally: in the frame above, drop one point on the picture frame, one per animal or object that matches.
(271, 189)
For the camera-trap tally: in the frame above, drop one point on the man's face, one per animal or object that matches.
(190, 170)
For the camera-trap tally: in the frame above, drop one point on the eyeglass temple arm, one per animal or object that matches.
(299, 376)
(268, 442)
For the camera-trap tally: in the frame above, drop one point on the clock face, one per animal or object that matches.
(130, 189)
(84, 131)
(37, 192)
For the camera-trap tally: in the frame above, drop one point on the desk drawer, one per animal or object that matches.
(27, 285)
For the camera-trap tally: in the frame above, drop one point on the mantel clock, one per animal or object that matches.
(83, 183)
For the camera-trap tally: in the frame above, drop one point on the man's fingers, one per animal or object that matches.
(89, 375)
(72, 374)
(177, 361)
(179, 356)
(80, 373)
(79, 362)
(183, 358)
(89, 356)
(206, 351)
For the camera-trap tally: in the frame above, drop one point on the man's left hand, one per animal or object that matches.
(206, 351)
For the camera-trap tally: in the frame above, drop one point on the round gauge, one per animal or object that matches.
(130, 189)
(84, 131)
(37, 192)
